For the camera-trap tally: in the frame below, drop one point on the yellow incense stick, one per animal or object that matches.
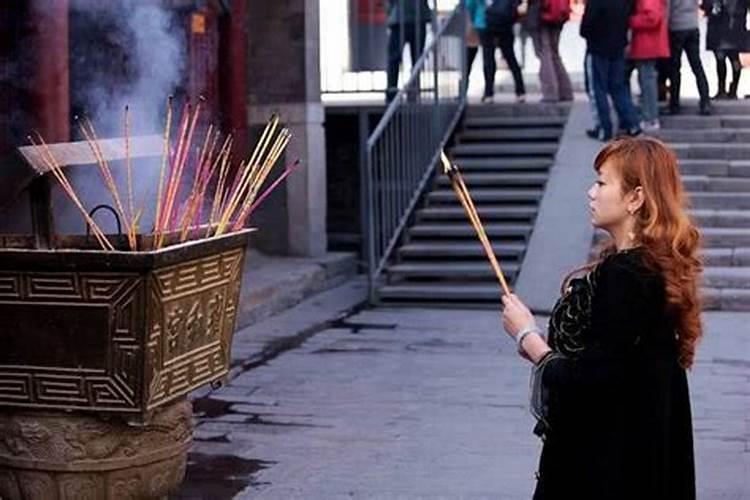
(463, 195)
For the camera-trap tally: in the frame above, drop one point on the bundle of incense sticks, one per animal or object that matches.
(459, 186)
(235, 189)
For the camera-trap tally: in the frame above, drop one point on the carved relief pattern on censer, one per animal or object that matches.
(72, 457)
(195, 306)
(180, 318)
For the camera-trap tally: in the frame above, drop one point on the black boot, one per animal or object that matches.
(733, 86)
(721, 93)
(705, 107)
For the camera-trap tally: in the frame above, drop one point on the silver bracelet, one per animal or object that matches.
(523, 334)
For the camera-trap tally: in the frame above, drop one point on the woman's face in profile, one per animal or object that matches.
(607, 203)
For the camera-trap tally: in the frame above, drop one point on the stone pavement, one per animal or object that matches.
(411, 403)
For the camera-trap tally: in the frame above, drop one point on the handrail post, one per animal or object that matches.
(366, 210)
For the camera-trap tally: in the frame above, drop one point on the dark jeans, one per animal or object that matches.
(504, 39)
(689, 41)
(608, 75)
(413, 34)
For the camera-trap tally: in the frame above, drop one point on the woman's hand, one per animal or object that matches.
(516, 316)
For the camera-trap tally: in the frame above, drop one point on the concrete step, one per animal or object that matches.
(727, 277)
(692, 122)
(535, 111)
(716, 184)
(703, 135)
(522, 179)
(474, 249)
(499, 134)
(489, 196)
(506, 122)
(442, 293)
(726, 299)
(707, 150)
(689, 107)
(724, 257)
(486, 213)
(511, 149)
(521, 164)
(731, 201)
(715, 167)
(721, 218)
(451, 270)
(725, 237)
(466, 230)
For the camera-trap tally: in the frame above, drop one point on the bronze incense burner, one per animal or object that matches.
(99, 350)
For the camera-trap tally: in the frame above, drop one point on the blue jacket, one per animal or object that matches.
(475, 9)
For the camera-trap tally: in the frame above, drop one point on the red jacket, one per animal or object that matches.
(649, 30)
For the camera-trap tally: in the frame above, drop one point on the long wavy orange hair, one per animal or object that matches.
(663, 228)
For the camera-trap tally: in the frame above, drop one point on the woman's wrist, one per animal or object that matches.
(534, 346)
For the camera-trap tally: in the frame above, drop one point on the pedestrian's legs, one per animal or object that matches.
(415, 37)
(721, 73)
(649, 90)
(626, 113)
(589, 84)
(505, 40)
(395, 47)
(488, 56)
(693, 51)
(676, 42)
(629, 68)
(471, 54)
(600, 80)
(734, 59)
(565, 88)
(662, 67)
(547, 77)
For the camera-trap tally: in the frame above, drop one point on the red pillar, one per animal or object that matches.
(50, 82)
(234, 75)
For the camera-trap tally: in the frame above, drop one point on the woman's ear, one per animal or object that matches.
(636, 200)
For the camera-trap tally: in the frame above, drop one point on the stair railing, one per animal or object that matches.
(404, 148)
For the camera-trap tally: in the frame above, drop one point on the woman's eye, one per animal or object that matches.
(599, 183)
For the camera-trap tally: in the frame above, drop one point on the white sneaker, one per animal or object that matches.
(650, 126)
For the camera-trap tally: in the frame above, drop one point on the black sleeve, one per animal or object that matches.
(589, 19)
(620, 312)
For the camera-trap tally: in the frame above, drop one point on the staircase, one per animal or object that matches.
(504, 153)
(714, 154)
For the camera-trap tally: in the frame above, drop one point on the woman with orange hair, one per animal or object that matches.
(609, 386)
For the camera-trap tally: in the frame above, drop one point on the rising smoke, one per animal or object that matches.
(122, 53)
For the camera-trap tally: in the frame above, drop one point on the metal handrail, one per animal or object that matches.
(402, 151)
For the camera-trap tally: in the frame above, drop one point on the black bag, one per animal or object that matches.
(501, 14)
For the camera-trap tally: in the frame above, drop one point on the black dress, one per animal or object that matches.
(726, 24)
(612, 400)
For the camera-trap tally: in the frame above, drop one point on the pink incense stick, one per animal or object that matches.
(246, 213)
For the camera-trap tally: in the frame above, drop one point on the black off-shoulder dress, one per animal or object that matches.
(612, 401)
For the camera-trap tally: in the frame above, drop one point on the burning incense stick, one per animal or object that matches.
(57, 171)
(89, 132)
(247, 212)
(129, 167)
(182, 207)
(251, 173)
(459, 186)
(163, 166)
